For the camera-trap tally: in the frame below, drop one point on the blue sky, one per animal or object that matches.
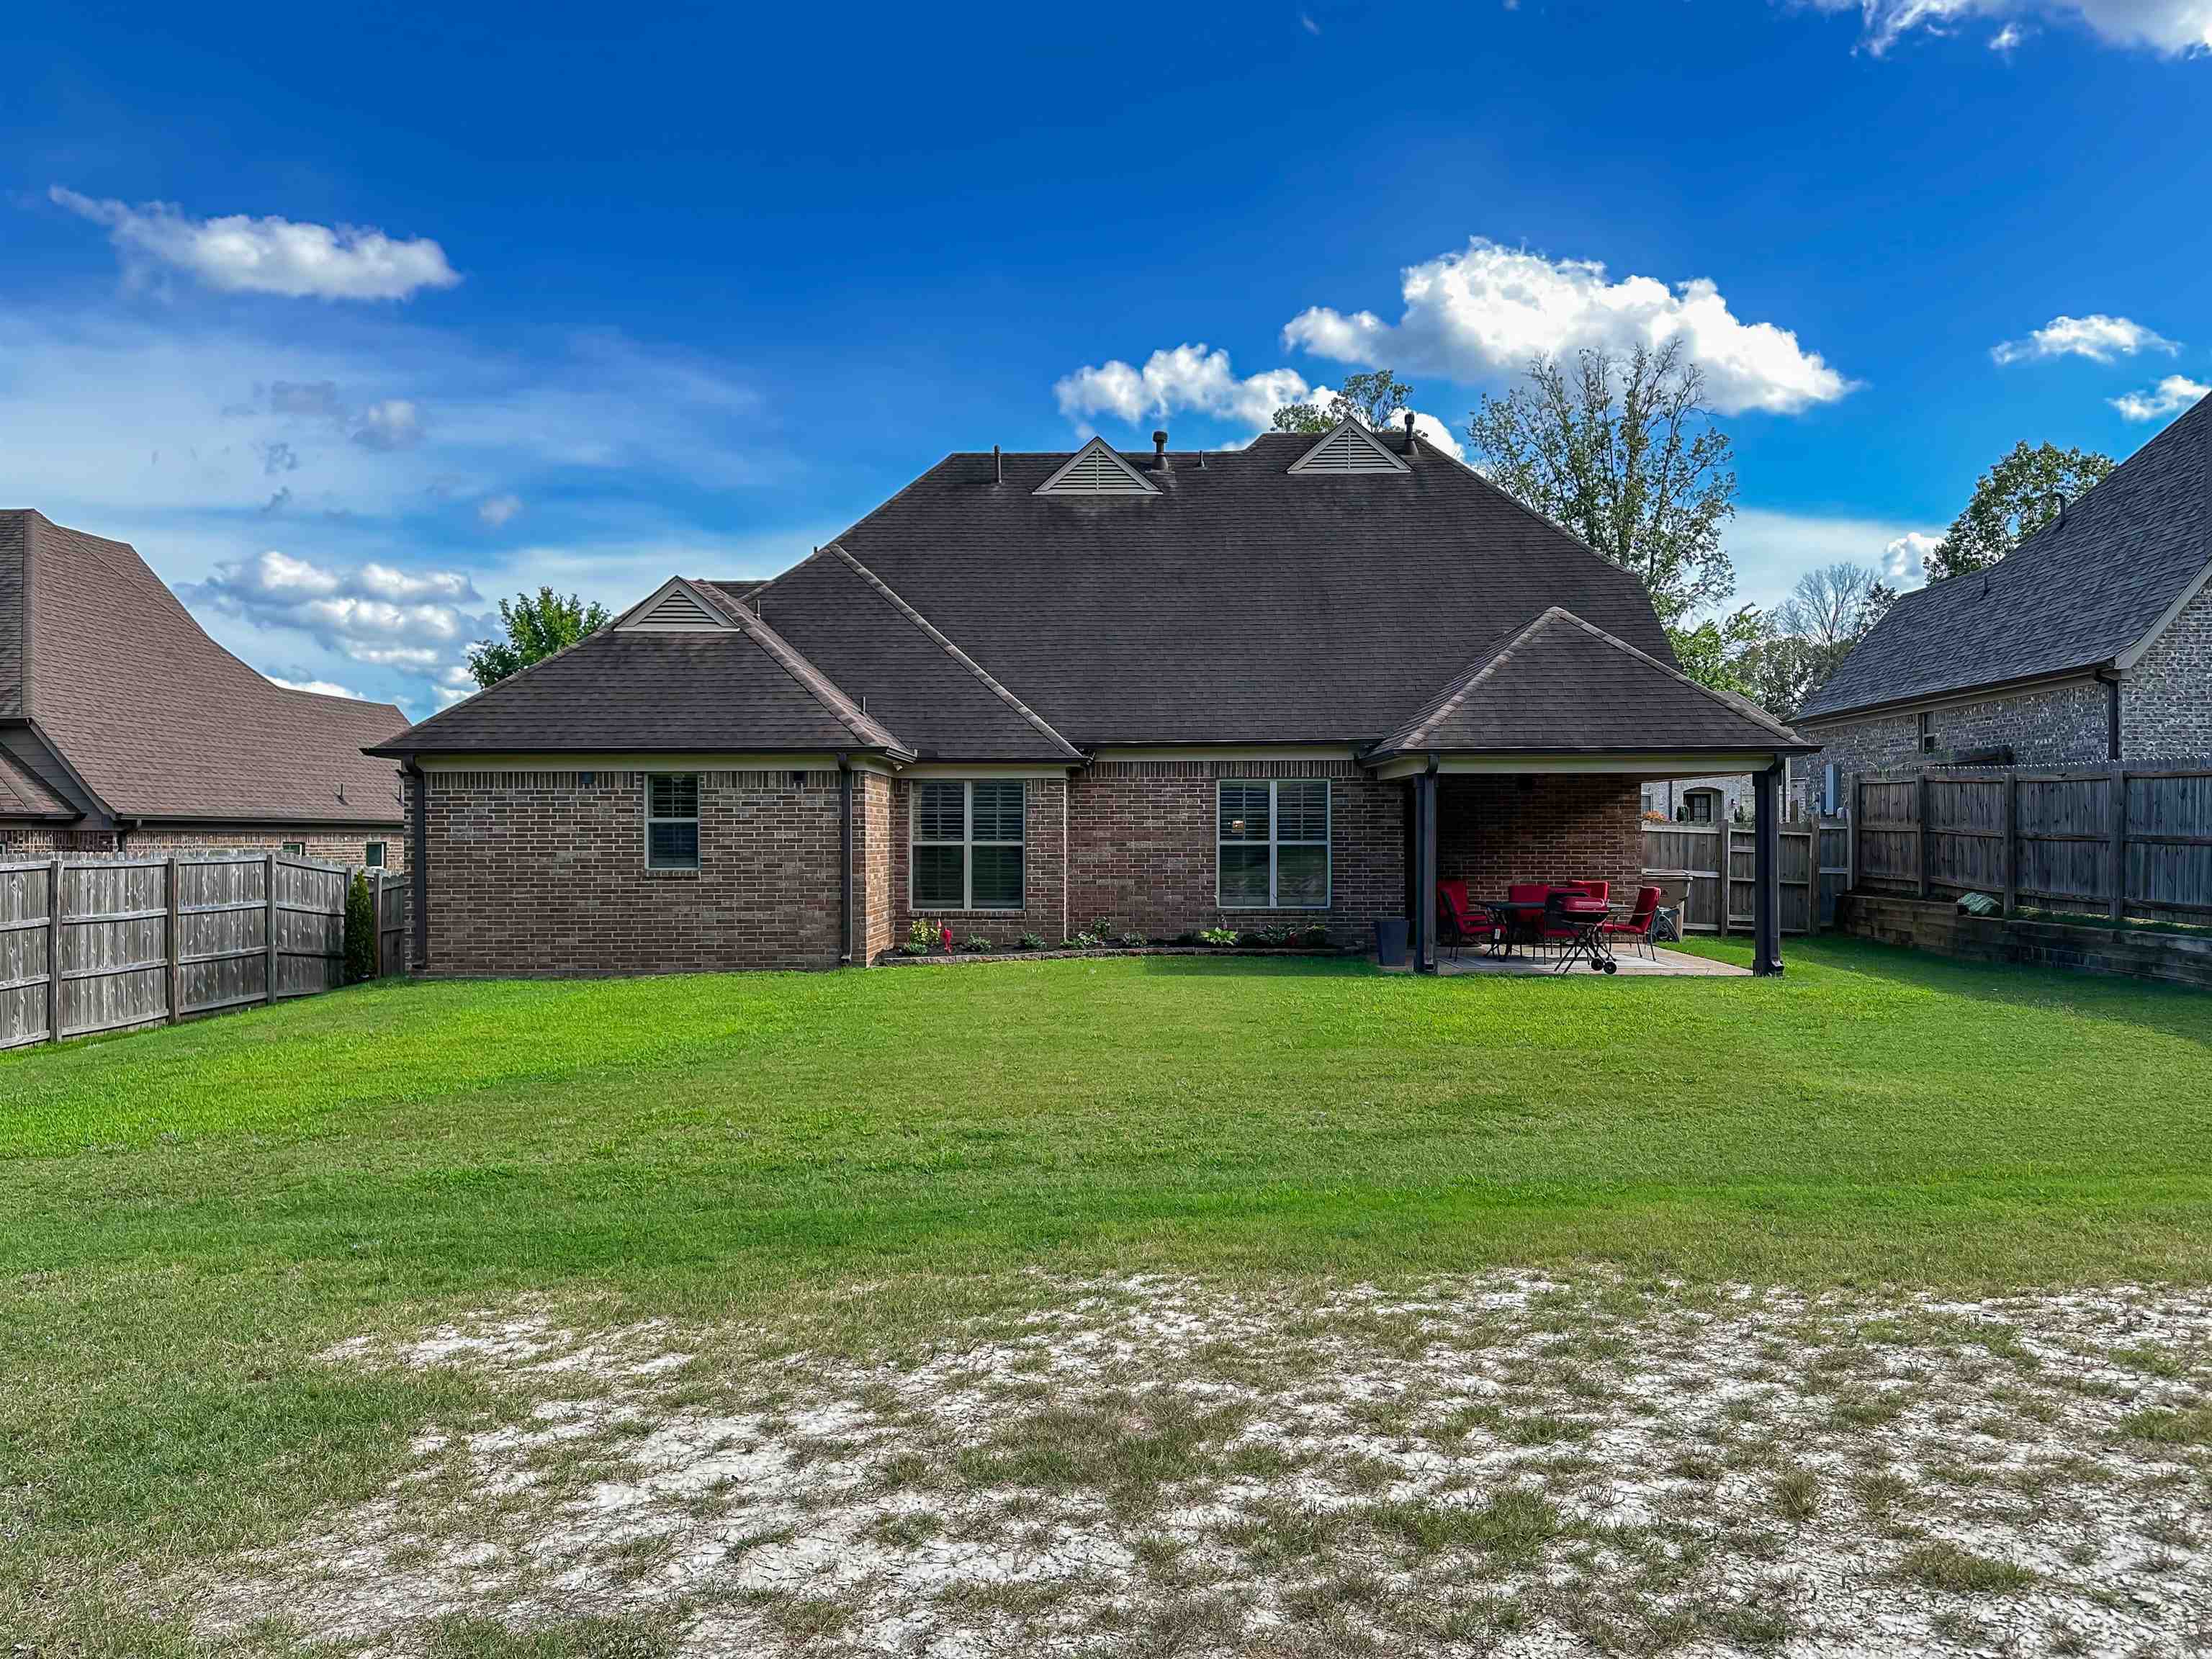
(353, 324)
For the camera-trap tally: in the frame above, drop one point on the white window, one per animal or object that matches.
(1699, 802)
(1926, 733)
(1828, 781)
(672, 821)
(373, 855)
(297, 849)
(1272, 848)
(965, 844)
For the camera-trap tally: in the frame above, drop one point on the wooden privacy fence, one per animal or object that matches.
(1722, 860)
(90, 945)
(2123, 840)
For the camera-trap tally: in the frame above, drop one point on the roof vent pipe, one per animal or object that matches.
(1409, 434)
(1160, 461)
(998, 466)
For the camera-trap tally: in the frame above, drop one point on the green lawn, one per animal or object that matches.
(192, 1214)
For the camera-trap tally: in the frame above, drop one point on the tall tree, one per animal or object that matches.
(2011, 501)
(538, 625)
(1375, 400)
(1621, 451)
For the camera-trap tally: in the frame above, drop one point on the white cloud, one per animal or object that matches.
(495, 510)
(2172, 28)
(322, 687)
(2170, 396)
(1905, 560)
(1189, 377)
(2004, 41)
(1483, 311)
(2096, 336)
(239, 254)
(373, 613)
(391, 423)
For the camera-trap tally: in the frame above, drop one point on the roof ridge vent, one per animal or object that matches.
(1095, 470)
(1350, 448)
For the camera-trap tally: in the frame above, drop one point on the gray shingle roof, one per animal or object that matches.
(1560, 685)
(2075, 595)
(873, 644)
(1241, 603)
(739, 689)
(155, 717)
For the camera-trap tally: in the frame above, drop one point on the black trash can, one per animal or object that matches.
(1391, 934)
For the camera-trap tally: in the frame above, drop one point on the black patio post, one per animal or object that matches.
(1425, 873)
(1766, 874)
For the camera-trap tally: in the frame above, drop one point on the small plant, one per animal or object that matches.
(1223, 936)
(360, 922)
(1271, 933)
(1086, 941)
(1101, 927)
(1134, 938)
(918, 939)
(1029, 942)
(975, 945)
(1315, 934)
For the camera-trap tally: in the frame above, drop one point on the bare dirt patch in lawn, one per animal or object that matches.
(1484, 1465)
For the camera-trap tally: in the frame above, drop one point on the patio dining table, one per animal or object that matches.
(1521, 919)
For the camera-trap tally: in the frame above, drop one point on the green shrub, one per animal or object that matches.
(360, 930)
(918, 939)
(1217, 935)
(1029, 942)
(975, 945)
(1132, 938)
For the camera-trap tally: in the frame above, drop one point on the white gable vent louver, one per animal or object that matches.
(1351, 448)
(1095, 470)
(676, 609)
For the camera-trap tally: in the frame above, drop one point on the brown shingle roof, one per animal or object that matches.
(155, 716)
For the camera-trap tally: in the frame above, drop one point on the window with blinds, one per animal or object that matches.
(965, 844)
(1272, 844)
(672, 821)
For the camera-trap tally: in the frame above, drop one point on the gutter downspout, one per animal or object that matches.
(845, 857)
(419, 792)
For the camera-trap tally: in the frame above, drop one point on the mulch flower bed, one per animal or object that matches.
(896, 958)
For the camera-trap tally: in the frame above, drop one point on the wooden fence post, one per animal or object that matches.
(2119, 827)
(1920, 833)
(1857, 810)
(2011, 843)
(376, 922)
(269, 883)
(54, 952)
(174, 946)
(1727, 862)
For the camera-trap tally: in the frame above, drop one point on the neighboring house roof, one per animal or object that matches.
(737, 687)
(1560, 685)
(23, 795)
(2080, 593)
(1233, 600)
(157, 720)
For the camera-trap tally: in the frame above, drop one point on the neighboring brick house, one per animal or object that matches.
(1294, 683)
(2090, 642)
(124, 729)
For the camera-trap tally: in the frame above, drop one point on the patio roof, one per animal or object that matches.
(1565, 693)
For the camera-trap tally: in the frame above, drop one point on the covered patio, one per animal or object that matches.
(1662, 963)
(1528, 771)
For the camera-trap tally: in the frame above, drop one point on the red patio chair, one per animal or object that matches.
(1460, 921)
(1551, 927)
(1597, 889)
(1638, 924)
(1527, 926)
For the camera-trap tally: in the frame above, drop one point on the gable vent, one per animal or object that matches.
(1095, 470)
(676, 609)
(1351, 448)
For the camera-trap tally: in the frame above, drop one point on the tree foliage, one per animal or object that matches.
(2011, 501)
(1621, 451)
(1376, 400)
(537, 626)
(361, 925)
(1777, 658)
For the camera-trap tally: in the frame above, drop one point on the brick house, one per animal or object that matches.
(2090, 642)
(124, 729)
(1297, 683)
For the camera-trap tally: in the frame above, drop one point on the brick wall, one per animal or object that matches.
(35, 841)
(1494, 831)
(1141, 847)
(2165, 705)
(2059, 726)
(873, 898)
(1044, 814)
(544, 872)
